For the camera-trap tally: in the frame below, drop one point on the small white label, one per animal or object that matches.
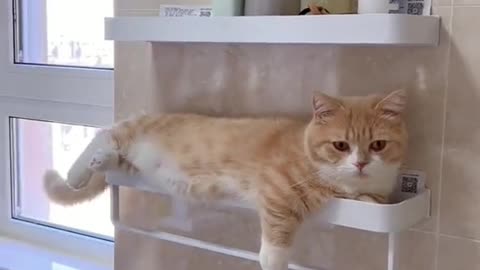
(185, 11)
(411, 181)
(412, 7)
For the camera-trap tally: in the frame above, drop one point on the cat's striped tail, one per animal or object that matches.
(82, 183)
(59, 192)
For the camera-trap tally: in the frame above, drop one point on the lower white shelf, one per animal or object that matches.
(382, 218)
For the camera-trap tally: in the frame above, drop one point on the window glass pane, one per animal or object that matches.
(63, 32)
(38, 146)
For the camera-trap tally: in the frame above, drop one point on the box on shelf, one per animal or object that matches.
(201, 8)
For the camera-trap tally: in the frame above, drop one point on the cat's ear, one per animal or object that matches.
(393, 104)
(314, 9)
(324, 107)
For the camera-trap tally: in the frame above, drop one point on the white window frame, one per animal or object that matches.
(66, 95)
(74, 85)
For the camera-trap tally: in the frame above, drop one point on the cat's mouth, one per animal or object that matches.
(361, 174)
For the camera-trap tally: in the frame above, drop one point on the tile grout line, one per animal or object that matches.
(444, 128)
(477, 241)
(459, 6)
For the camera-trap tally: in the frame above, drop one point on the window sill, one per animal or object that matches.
(18, 255)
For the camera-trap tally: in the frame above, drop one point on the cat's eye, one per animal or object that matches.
(378, 146)
(341, 146)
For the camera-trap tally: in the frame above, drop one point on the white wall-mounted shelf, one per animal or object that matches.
(364, 29)
(382, 218)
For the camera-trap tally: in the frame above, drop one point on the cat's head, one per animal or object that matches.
(358, 143)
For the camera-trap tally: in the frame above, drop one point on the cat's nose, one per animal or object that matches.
(361, 165)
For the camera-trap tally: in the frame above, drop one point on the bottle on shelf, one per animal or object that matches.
(271, 7)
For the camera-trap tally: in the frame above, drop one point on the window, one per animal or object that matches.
(48, 110)
(62, 32)
(37, 146)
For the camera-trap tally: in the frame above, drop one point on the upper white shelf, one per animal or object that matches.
(365, 29)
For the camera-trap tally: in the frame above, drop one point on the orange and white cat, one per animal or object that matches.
(352, 147)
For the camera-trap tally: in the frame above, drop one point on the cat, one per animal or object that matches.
(351, 147)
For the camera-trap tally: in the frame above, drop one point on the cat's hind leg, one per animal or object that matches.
(104, 159)
(80, 173)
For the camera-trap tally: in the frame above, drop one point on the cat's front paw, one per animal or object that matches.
(373, 198)
(273, 258)
(103, 160)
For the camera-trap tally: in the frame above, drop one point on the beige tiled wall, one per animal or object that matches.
(444, 85)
